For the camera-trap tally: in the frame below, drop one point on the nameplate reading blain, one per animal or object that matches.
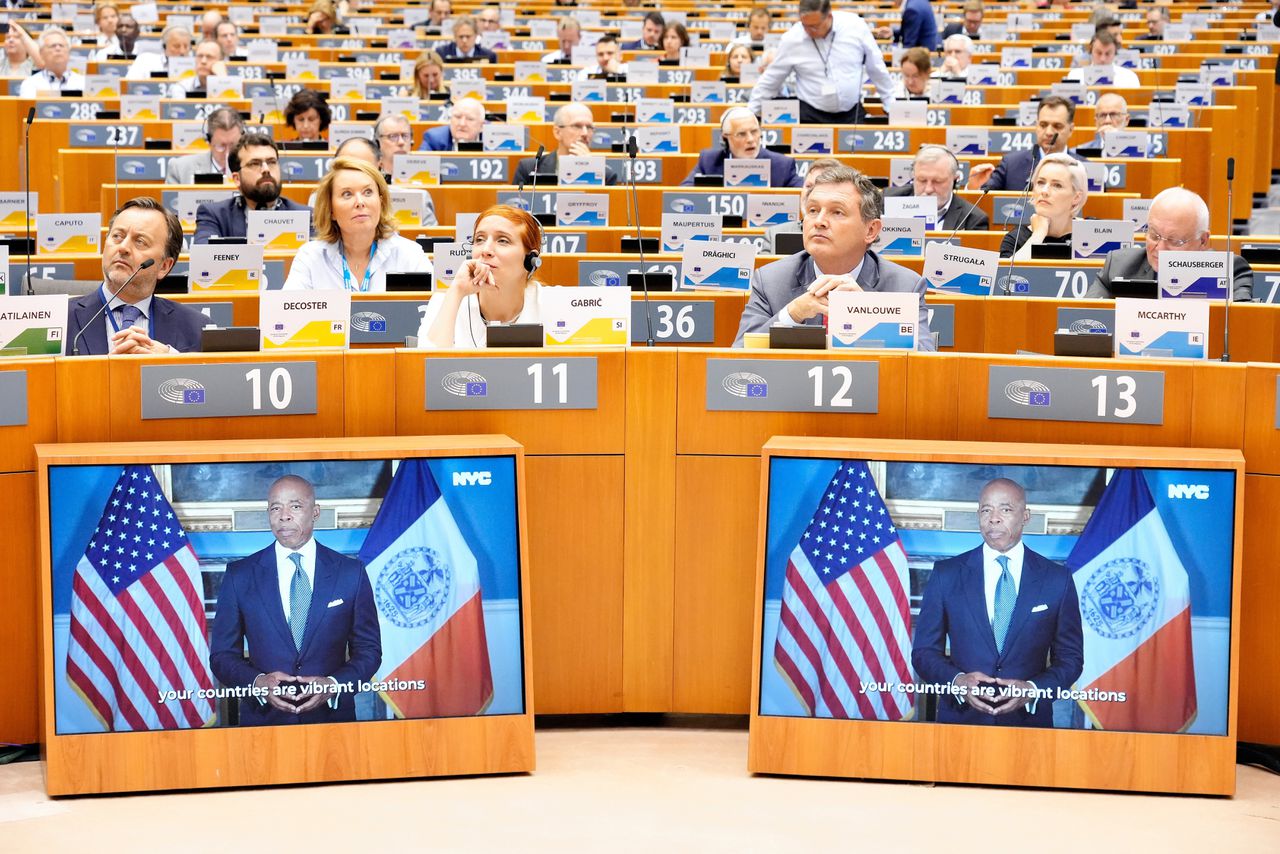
(1075, 394)
(793, 385)
(674, 320)
(228, 390)
(549, 382)
(13, 391)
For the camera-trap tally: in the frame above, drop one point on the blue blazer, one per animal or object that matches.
(782, 169)
(919, 29)
(342, 638)
(437, 139)
(1014, 169)
(1045, 643)
(227, 218)
(449, 50)
(172, 323)
(638, 44)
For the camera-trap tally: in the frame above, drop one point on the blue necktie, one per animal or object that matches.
(129, 315)
(299, 600)
(1006, 595)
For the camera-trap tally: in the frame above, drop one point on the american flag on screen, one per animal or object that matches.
(845, 619)
(137, 615)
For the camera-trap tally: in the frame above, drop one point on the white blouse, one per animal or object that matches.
(318, 265)
(470, 331)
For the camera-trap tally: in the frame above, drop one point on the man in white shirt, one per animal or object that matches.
(55, 52)
(209, 60)
(1102, 52)
(177, 43)
(569, 32)
(606, 59)
(831, 54)
(757, 27)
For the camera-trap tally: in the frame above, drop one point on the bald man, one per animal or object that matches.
(740, 139)
(573, 128)
(466, 121)
(1178, 220)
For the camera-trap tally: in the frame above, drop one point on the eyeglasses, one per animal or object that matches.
(397, 137)
(258, 165)
(1156, 237)
(1109, 117)
(579, 126)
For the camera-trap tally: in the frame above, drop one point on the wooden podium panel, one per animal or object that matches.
(214, 757)
(1007, 756)
(1261, 440)
(19, 621)
(548, 431)
(16, 441)
(1259, 602)
(702, 431)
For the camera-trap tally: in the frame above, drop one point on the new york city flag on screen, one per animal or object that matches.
(427, 587)
(845, 619)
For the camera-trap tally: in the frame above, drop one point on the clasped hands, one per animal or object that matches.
(983, 693)
(134, 340)
(296, 695)
(814, 300)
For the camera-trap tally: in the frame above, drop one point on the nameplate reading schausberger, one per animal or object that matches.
(228, 390)
(793, 385)
(1075, 394)
(550, 382)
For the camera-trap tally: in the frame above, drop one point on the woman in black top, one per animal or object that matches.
(1059, 188)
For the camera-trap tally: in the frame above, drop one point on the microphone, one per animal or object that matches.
(75, 344)
(1231, 267)
(972, 205)
(632, 149)
(1022, 213)
(31, 117)
(537, 161)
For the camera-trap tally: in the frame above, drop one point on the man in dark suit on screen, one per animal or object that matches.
(308, 615)
(1000, 622)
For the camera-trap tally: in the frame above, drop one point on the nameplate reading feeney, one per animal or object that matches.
(793, 385)
(228, 390)
(549, 382)
(1075, 394)
(13, 391)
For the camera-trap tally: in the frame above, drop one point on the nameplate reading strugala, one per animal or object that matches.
(511, 383)
(13, 391)
(1075, 394)
(793, 385)
(228, 390)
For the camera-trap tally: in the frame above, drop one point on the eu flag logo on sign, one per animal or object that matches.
(477, 389)
(193, 395)
(1022, 287)
(1039, 398)
(377, 326)
(757, 390)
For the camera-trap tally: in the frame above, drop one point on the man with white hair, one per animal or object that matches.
(209, 25)
(55, 53)
(1178, 221)
(466, 121)
(176, 42)
(934, 173)
(569, 31)
(957, 51)
(740, 139)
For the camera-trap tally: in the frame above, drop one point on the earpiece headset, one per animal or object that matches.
(955, 161)
(732, 112)
(208, 122)
(533, 259)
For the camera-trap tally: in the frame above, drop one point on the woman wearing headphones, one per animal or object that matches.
(1059, 189)
(356, 243)
(496, 285)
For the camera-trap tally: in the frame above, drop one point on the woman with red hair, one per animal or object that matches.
(496, 286)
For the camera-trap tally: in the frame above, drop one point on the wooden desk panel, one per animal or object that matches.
(369, 393)
(1261, 441)
(564, 431)
(19, 620)
(1259, 718)
(127, 425)
(84, 398)
(700, 431)
(16, 443)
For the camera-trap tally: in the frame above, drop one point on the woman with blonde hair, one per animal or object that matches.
(356, 242)
(1059, 189)
(428, 75)
(497, 284)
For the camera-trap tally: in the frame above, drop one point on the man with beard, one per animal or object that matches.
(255, 169)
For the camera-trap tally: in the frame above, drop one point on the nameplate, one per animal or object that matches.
(874, 140)
(473, 170)
(1094, 320)
(219, 313)
(1005, 141)
(792, 385)
(510, 383)
(385, 321)
(59, 109)
(719, 204)
(942, 323)
(1051, 282)
(682, 321)
(228, 390)
(13, 391)
(1265, 286)
(105, 136)
(141, 167)
(1075, 394)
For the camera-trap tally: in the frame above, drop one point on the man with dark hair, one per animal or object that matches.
(1055, 120)
(841, 221)
(650, 33)
(135, 320)
(223, 129)
(971, 25)
(831, 54)
(255, 169)
(1102, 52)
(919, 28)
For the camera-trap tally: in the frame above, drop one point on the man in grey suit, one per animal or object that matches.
(842, 219)
(222, 129)
(1178, 220)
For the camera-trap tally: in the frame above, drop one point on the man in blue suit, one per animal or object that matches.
(650, 33)
(308, 615)
(255, 169)
(740, 139)
(463, 48)
(919, 28)
(466, 121)
(1000, 624)
(1055, 120)
(135, 320)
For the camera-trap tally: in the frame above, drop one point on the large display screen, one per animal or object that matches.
(1032, 596)
(291, 592)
